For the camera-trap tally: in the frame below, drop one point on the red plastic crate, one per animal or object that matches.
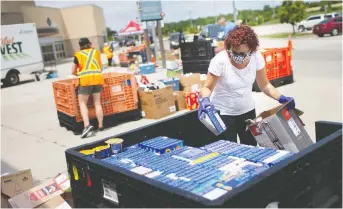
(119, 95)
(278, 62)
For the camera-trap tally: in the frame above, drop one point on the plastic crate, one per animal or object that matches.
(123, 57)
(147, 68)
(65, 97)
(198, 50)
(278, 62)
(310, 178)
(196, 67)
(119, 94)
(174, 82)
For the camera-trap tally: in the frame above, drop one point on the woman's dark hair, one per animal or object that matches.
(242, 34)
(87, 46)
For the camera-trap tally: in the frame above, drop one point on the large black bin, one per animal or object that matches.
(311, 178)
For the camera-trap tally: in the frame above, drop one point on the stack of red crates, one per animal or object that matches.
(119, 95)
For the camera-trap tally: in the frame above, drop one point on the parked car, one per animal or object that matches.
(314, 20)
(210, 31)
(331, 26)
(174, 40)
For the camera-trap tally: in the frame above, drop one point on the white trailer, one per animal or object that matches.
(20, 52)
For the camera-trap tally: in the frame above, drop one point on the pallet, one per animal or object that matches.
(109, 121)
(276, 82)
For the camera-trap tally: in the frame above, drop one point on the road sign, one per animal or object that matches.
(150, 10)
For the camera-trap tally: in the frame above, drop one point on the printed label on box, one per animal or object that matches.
(48, 190)
(154, 174)
(143, 114)
(215, 194)
(110, 191)
(141, 170)
(116, 89)
(286, 114)
(172, 109)
(294, 127)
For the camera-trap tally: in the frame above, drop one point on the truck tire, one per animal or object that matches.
(12, 78)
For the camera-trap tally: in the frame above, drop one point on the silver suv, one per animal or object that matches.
(313, 20)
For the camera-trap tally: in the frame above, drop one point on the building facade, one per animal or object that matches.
(59, 30)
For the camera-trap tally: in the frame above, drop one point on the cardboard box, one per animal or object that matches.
(14, 184)
(41, 194)
(170, 56)
(180, 100)
(56, 202)
(158, 103)
(191, 83)
(281, 129)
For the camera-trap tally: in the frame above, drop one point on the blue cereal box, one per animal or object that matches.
(211, 119)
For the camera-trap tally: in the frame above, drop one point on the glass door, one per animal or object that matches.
(48, 53)
(59, 50)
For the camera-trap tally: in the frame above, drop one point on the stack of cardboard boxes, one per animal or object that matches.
(17, 191)
(162, 102)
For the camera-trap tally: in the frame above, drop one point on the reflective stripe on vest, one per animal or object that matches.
(89, 58)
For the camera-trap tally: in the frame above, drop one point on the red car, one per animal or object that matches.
(331, 26)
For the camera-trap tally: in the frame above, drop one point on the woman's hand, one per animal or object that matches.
(283, 99)
(203, 104)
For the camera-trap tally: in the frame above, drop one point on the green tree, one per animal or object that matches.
(292, 12)
(110, 33)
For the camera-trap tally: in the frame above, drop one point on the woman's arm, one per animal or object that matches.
(265, 86)
(74, 69)
(210, 83)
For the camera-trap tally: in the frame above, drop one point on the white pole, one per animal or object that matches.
(153, 24)
(234, 11)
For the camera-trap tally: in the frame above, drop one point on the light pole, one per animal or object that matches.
(190, 17)
(234, 11)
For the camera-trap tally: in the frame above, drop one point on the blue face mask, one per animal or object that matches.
(239, 58)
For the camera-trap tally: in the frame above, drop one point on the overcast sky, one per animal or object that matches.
(118, 13)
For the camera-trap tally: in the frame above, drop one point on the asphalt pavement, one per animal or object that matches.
(32, 138)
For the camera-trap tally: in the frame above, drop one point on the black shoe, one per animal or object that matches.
(86, 131)
(101, 129)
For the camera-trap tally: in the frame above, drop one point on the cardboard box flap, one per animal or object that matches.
(56, 202)
(41, 193)
(274, 110)
(16, 183)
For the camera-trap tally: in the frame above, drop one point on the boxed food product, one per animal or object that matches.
(192, 102)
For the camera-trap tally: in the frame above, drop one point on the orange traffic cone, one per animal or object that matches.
(154, 60)
(290, 44)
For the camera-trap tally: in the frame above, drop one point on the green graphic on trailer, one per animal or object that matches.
(12, 51)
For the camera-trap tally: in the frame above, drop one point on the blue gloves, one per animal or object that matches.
(203, 104)
(283, 99)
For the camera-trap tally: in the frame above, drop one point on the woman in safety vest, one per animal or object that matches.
(87, 66)
(109, 53)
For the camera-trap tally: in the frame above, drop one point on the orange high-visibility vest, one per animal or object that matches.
(108, 52)
(89, 68)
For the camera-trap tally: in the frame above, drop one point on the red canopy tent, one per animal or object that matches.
(132, 28)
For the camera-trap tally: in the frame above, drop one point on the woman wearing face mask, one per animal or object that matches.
(230, 77)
